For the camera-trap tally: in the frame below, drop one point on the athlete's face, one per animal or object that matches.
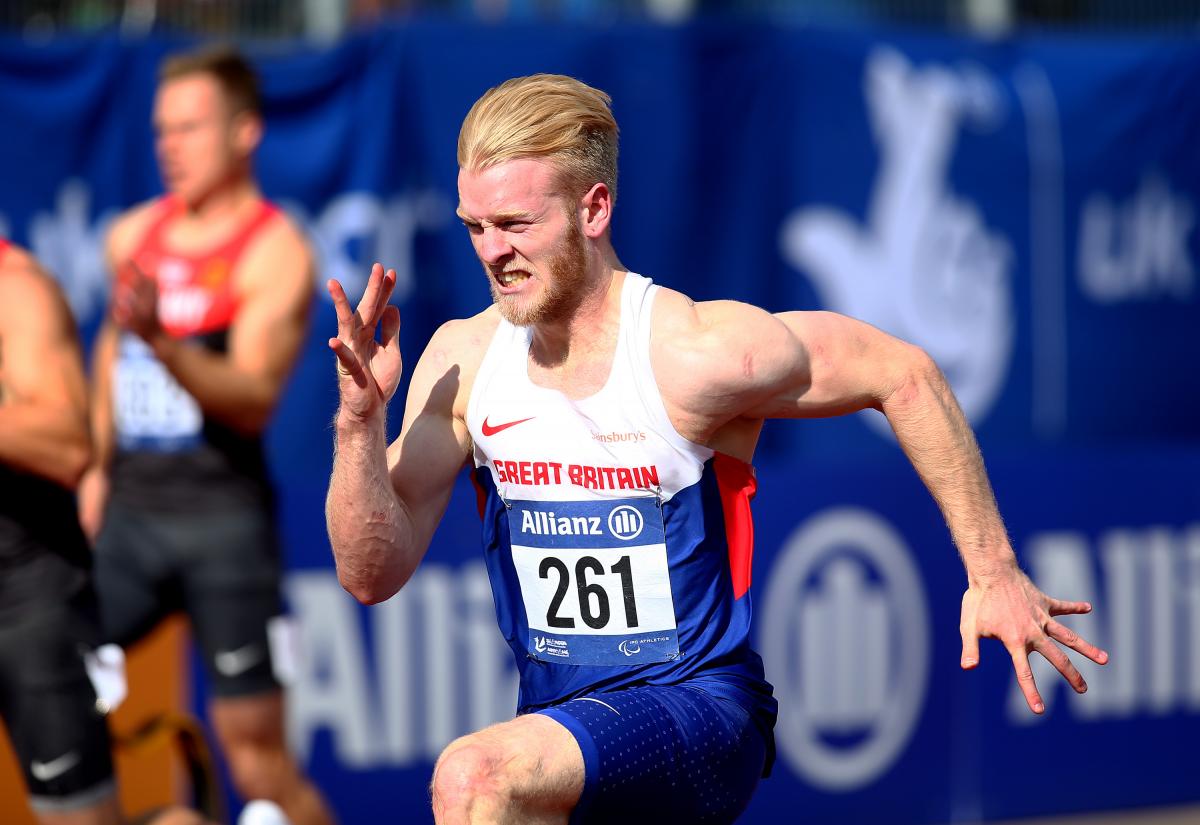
(200, 143)
(527, 237)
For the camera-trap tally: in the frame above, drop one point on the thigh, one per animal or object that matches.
(59, 734)
(668, 753)
(132, 574)
(231, 586)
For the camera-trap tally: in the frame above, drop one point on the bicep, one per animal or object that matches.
(433, 444)
(272, 319)
(851, 365)
(41, 358)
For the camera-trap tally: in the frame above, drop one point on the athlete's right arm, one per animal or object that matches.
(385, 503)
(92, 495)
(43, 399)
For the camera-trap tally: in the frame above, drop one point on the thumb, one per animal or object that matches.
(969, 630)
(970, 649)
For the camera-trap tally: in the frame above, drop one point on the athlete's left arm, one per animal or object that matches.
(43, 396)
(805, 364)
(241, 387)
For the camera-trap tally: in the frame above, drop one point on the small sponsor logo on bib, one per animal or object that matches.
(625, 522)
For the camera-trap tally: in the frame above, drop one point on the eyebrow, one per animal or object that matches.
(499, 217)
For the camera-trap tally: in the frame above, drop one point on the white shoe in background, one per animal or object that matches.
(263, 812)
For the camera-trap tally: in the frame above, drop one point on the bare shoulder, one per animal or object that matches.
(127, 230)
(704, 334)
(17, 259)
(28, 293)
(279, 257)
(713, 360)
(460, 345)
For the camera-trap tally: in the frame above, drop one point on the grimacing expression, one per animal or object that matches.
(561, 291)
(200, 144)
(528, 239)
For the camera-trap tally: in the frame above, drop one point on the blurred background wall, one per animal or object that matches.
(1010, 184)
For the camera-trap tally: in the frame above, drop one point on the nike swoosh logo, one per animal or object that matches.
(488, 429)
(237, 662)
(45, 771)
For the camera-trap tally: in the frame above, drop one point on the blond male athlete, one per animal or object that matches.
(610, 424)
(210, 299)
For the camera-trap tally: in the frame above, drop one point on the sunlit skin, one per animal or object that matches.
(527, 238)
(203, 147)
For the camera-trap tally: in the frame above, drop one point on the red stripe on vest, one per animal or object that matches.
(481, 496)
(737, 485)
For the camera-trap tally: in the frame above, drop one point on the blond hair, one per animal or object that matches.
(549, 116)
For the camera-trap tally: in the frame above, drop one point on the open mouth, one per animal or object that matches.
(511, 279)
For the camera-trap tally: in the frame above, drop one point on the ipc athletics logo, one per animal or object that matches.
(625, 522)
(846, 642)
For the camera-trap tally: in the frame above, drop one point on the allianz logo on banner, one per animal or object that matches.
(349, 233)
(923, 266)
(844, 632)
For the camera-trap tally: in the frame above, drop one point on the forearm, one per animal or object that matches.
(53, 444)
(933, 432)
(370, 530)
(230, 395)
(101, 408)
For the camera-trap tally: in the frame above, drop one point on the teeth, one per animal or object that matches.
(510, 278)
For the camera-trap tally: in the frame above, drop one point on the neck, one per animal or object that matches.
(598, 310)
(225, 199)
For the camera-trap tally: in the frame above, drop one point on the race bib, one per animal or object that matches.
(594, 580)
(152, 411)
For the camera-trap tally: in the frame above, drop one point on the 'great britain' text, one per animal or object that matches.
(534, 473)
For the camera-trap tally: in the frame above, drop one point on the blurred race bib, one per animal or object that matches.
(152, 411)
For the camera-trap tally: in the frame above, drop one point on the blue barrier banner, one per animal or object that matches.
(1023, 209)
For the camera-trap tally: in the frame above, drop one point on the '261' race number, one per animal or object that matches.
(588, 591)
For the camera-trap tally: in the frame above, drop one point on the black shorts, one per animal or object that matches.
(59, 734)
(222, 569)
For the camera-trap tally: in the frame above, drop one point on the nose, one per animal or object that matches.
(494, 246)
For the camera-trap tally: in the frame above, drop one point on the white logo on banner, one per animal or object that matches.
(1137, 249)
(845, 638)
(71, 247)
(351, 232)
(924, 267)
(356, 229)
(432, 668)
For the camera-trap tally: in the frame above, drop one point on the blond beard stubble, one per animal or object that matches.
(563, 292)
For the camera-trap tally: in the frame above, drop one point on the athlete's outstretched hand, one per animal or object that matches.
(1012, 609)
(368, 370)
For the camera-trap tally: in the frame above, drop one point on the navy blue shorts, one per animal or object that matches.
(663, 754)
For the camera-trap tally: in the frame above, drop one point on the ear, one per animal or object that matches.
(247, 130)
(595, 207)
